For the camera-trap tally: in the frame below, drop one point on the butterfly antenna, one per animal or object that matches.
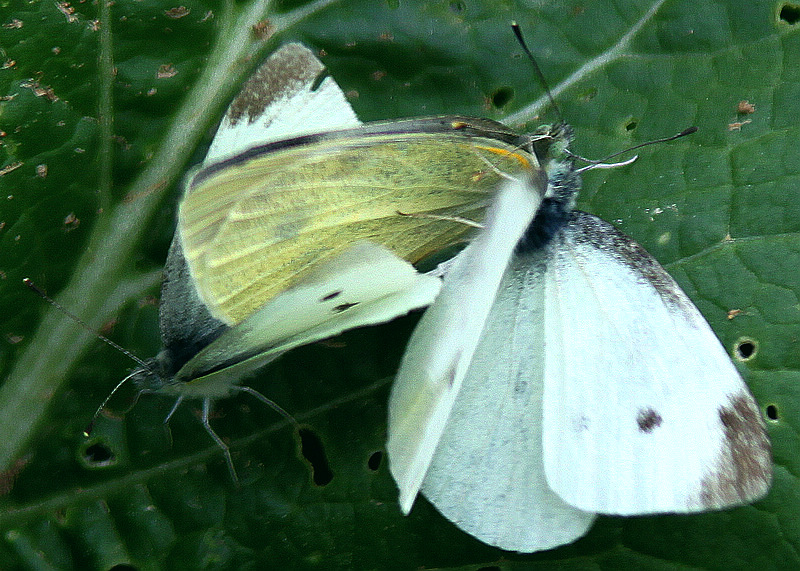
(29, 282)
(601, 162)
(536, 69)
(90, 427)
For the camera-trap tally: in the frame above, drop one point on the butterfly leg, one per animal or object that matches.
(173, 409)
(225, 450)
(270, 403)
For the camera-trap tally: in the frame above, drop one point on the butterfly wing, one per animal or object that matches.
(287, 96)
(487, 475)
(644, 411)
(366, 285)
(185, 322)
(442, 346)
(251, 227)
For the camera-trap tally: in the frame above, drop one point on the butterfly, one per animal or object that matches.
(562, 373)
(302, 222)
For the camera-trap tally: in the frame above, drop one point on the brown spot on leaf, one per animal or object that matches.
(8, 477)
(71, 222)
(263, 30)
(177, 12)
(12, 167)
(737, 125)
(165, 71)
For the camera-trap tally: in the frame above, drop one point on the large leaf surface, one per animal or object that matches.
(103, 109)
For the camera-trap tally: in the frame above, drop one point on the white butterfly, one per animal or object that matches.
(365, 283)
(596, 388)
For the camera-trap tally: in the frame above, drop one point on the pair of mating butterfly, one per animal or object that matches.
(559, 372)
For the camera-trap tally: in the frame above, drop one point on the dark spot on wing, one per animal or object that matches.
(585, 228)
(330, 296)
(744, 468)
(281, 76)
(521, 386)
(582, 424)
(344, 307)
(451, 374)
(648, 420)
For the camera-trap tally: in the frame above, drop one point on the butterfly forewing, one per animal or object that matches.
(285, 97)
(644, 411)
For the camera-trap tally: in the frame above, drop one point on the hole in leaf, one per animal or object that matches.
(99, 454)
(745, 349)
(772, 412)
(502, 96)
(631, 125)
(374, 461)
(457, 7)
(790, 13)
(314, 452)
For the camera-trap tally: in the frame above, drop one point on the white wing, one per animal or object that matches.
(487, 475)
(443, 343)
(365, 285)
(281, 101)
(643, 410)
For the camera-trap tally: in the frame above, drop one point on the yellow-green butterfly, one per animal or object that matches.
(301, 223)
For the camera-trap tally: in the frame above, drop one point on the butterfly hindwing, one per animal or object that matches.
(487, 475)
(442, 346)
(366, 285)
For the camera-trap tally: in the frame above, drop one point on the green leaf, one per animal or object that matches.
(104, 106)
